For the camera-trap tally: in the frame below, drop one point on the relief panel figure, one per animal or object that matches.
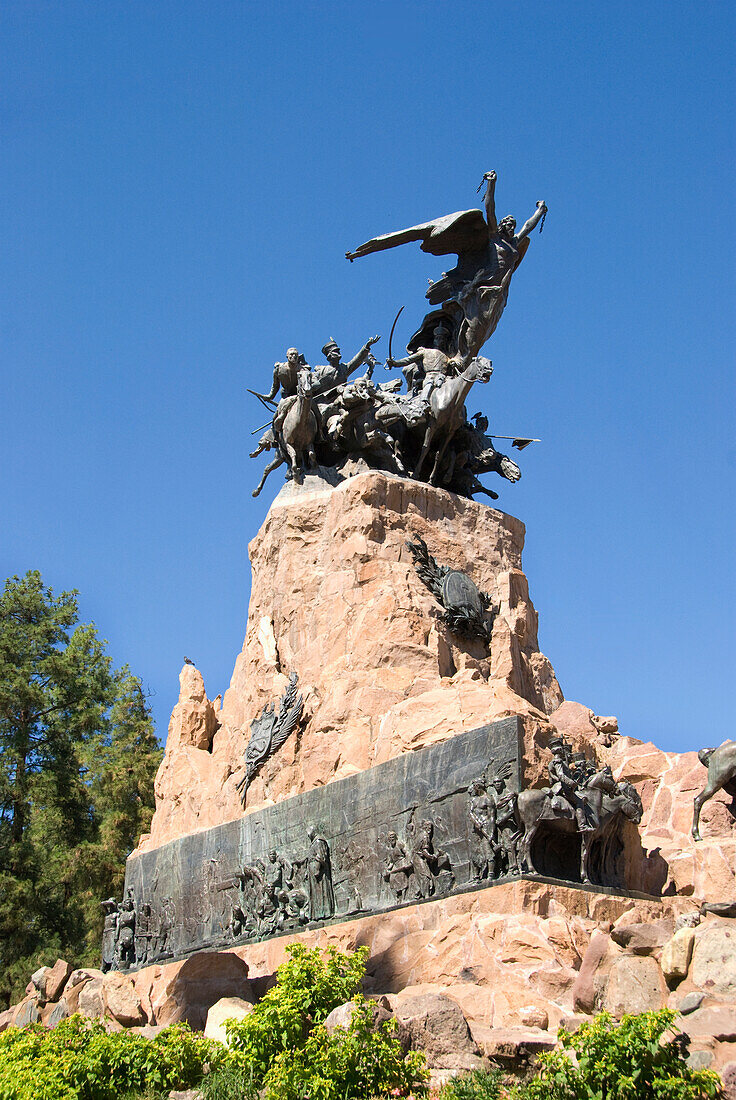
(397, 867)
(319, 877)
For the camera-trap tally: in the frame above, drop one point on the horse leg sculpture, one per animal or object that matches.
(293, 460)
(274, 464)
(526, 851)
(584, 852)
(699, 801)
(438, 459)
(425, 449)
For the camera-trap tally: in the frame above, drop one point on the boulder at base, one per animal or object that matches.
(187, 991)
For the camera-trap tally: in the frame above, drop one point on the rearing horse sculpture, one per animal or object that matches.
(299, 428)
(721, 765)
(447, 411)
(292, 433)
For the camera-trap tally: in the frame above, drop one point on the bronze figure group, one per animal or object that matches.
(133, 933)
(416, 869)
(324, 416)
(278, 894)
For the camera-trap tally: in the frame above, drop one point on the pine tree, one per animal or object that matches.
(120, 765)
(77, 761)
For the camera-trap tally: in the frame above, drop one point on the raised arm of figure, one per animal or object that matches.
(533, 221)
(490, 201)
(362, 356)
(406, 361)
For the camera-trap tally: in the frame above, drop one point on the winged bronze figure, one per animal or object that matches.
(269, 731)
(472, 296)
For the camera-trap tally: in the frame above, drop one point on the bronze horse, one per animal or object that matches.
(447, 411)
(293, 438)
(604, 800)
(721, 765)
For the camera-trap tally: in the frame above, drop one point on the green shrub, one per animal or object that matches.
(353, 1063)
(480, 1084)
(79, 1060)
(308, 987)
(627, 1061)
(281, 1047)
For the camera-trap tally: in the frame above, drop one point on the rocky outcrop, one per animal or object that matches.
(435, 1024)
(671, 861)
(486, 975)
(635, 984)
(227, 1008)
(55, 979)
(194, 718)
(335, 598)
(186, 991)
(121, 1000)
(512, 949)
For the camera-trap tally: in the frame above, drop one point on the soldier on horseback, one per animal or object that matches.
(427, 368)
(285, 375)
(564, 789)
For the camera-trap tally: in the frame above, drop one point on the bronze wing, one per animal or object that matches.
(464, 231)
(290, 712)
(427, 568)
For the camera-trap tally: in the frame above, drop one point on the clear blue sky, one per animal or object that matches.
(180, 183)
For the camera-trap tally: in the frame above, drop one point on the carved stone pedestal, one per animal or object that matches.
(363, 824)
(336, 598)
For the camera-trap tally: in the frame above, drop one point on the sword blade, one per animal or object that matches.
(393, 326)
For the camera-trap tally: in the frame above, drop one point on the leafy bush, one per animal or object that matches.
(480, 1084)
(360, 1061)
(308, 987)
(280, 1050)
(79, 1060)
(627, 1061)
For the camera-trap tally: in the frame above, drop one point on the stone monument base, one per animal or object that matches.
(336, 598)
(502, 953)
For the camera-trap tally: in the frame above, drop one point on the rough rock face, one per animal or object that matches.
(121, 1000)
(227, 1008)
(185, 991)
(55, 979)
(193, 720)
(497, 953)
(672, 862)
(335, 597)
(635, 984)
(435, 1024)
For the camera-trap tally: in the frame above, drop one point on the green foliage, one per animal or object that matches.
(357, 1062)
(79, 1060)
(283, 1048)
(119, 763)
(77, 760)
(627, 1061)
(228, 1082)
(280, 1051)
(308, 987)
(480, 1084)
